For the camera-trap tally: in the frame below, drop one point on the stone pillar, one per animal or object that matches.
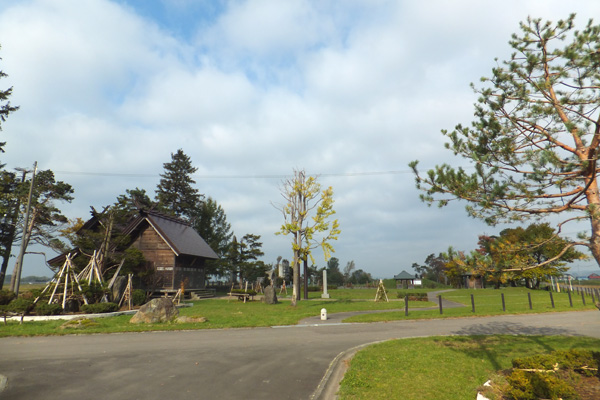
(325, 295)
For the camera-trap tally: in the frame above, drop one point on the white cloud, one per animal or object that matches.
(259, 88)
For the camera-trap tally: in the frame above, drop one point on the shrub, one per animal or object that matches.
(48, 309)
(529, 379)
(6, 296)
(138, 297)
(94, 291)
(538, 385)
(418, 296)
(574, 360)
(31, 294)
(20, 306)
(99, 308)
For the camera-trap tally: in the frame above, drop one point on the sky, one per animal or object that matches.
(251, 90)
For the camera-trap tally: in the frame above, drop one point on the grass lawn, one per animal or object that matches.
(223, 313)
(489, 302)
(449, 368)
(220, 313)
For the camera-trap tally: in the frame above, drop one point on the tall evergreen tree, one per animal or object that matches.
(175, 193)
(243, 257)
(5, 107)
(211, 223)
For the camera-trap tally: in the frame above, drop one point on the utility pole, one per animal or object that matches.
(16, 278)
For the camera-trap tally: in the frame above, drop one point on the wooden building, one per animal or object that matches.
(172, 248)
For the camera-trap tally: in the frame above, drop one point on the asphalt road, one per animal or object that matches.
(258, 363)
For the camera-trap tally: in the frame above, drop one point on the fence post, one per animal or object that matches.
(570, 298)
(503, 303)
(583, 298)
(529, 297)
(406, 305)
(472, 303)
(593, 299)
(440, 302)
(551, 299)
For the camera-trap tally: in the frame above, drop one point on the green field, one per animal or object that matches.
(225, 313)
(449, 368)
(489, 302)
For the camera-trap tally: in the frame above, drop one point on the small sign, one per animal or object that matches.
(418, 282)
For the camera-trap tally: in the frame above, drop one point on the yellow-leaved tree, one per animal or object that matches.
(307, 212)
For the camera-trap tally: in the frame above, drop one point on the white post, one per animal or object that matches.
(325, 295)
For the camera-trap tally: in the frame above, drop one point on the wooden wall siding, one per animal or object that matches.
(189, 270)
(170, 270)
(159, 254)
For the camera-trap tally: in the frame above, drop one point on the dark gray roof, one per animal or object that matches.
(404, 275)
(182, 238)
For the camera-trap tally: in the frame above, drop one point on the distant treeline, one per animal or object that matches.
(28, 279)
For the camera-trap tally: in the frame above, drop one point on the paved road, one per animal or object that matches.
(259, 363)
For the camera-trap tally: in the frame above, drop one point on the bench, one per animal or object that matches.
(242, 296)
(9, 314)
(202, 294)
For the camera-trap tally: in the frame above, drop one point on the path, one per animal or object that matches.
(259, 363)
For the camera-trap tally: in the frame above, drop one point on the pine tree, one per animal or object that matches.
(211, 223)
(534, 143)
(175, 193)
(5, 108)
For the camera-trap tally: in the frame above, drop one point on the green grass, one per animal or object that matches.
(356, 294)
(222, 313)
(449, 368)
(219, 313)
(489, 302)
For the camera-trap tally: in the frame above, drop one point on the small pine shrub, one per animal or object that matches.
(20, 306)
(99, 308)
(6, 296)
(138, 297)
(94, 291)
(31, 294)
(48, 309)
(526, 385)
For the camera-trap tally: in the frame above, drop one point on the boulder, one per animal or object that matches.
(118, 288)
(270, 295)
(156, 310)
(184, 319)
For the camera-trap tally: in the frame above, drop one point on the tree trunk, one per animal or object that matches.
(295, 279)
(593, 200)
(305, 279)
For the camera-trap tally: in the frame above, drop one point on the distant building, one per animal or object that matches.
(594, 276)
(404, 280)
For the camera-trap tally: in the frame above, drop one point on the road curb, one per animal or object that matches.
(330, 383)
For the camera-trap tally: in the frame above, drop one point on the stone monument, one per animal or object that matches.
(325, 295)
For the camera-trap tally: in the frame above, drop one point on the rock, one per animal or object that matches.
(79, 323)
(118, 288)
(156, 310)
(270, 295)
(185, 319)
